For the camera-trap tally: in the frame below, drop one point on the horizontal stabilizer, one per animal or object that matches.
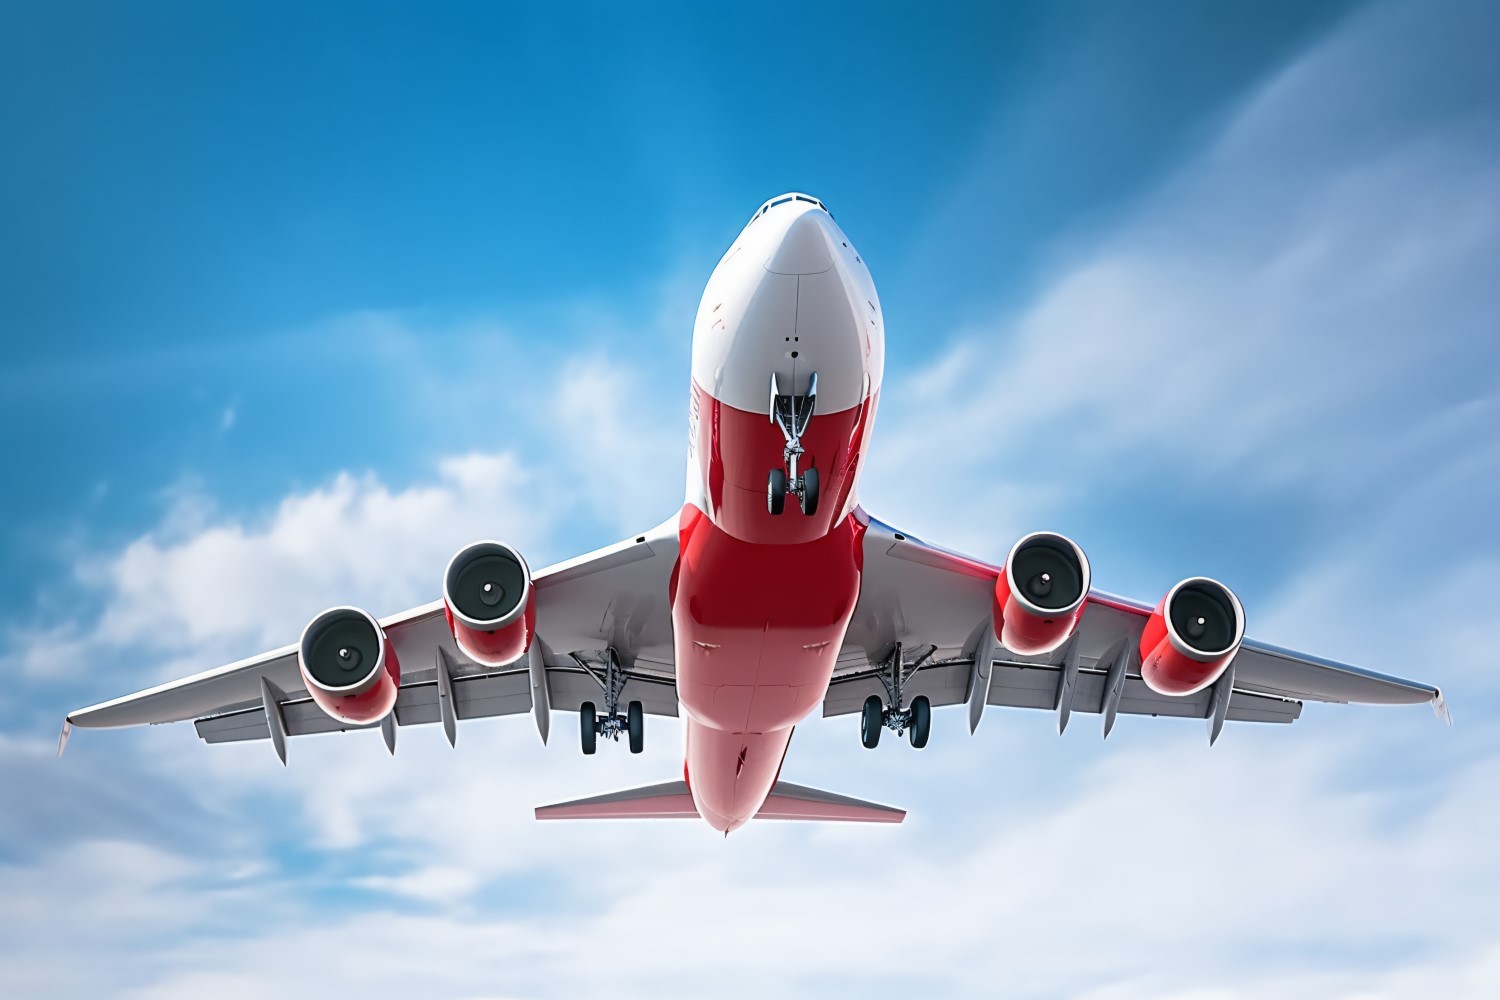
(668, 800)
(789, 801)
(673, 800)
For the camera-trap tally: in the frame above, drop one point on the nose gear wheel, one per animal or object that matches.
(792, 414)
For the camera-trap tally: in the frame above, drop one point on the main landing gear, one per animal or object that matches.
(610, 724)
(791, 414)
(915, 721)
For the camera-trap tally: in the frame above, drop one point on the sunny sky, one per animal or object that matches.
(297, 299)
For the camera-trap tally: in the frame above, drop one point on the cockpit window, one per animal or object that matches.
(783, 199)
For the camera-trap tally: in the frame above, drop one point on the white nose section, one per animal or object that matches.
(804, 248)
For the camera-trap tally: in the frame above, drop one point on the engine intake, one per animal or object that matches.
(1191, 637)
(487, 591)
(349, 667)
(1040, 595)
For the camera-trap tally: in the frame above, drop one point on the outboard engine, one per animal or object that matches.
(349, 666)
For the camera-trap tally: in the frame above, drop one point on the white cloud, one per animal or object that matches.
(1292, 313)
(1262, 868)
(202, 582)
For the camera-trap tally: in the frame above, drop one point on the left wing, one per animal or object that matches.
(613, 598)
(937, 605)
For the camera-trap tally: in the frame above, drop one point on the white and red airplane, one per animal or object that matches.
(770, 594)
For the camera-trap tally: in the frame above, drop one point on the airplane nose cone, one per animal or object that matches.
(804, 249)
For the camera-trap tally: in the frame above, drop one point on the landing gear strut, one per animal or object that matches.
(610, 724)
(791, 414)
(914, 721)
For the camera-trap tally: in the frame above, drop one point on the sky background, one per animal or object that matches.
(295, 301)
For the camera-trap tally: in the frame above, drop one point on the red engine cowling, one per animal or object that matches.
(488, 594)
(1191, 637)
(349, 666)
(1040, 594)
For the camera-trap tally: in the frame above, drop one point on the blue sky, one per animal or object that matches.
(295, 302)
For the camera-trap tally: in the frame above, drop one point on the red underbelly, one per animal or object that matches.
(757, 632)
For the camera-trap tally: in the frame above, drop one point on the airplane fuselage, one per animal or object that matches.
(760, 600)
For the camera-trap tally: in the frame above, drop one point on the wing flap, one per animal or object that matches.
(417, 704)
(474, 697)
(1034, 685)
(234, 727)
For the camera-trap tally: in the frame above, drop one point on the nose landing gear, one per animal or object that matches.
(914, 721)
(791, 414)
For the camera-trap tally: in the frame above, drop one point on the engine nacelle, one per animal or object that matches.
(349, 666)
(1191, 637)
(488, 594)
(1040, 594)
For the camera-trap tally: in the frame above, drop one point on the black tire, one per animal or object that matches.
(587, 727)
(921, 721)
(810, 492)
(776, 491)
(635, 724)
(871, 722)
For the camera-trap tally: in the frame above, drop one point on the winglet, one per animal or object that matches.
(62, 737)
(1440, 709)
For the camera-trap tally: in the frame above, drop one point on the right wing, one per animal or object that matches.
(613, 598)
(937, 604)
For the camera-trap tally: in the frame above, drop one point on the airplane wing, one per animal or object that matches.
(613, 598)
(937, 605)
(933, 602)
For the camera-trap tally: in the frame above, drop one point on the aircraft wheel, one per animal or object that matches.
(921, 721)
(810, 492)
(776, 491)
(635, 724)
(587, 727)
(871, 722)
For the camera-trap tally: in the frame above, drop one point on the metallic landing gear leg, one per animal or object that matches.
(792, 414)
(914, 721)
(611, 723)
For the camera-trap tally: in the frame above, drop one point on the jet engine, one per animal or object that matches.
(1040, 594)
(1191, 637)
(349, 666)
(488, 593)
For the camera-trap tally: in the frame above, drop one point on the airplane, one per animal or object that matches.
(772, 593)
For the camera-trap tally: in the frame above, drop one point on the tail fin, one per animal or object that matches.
(673, 800)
